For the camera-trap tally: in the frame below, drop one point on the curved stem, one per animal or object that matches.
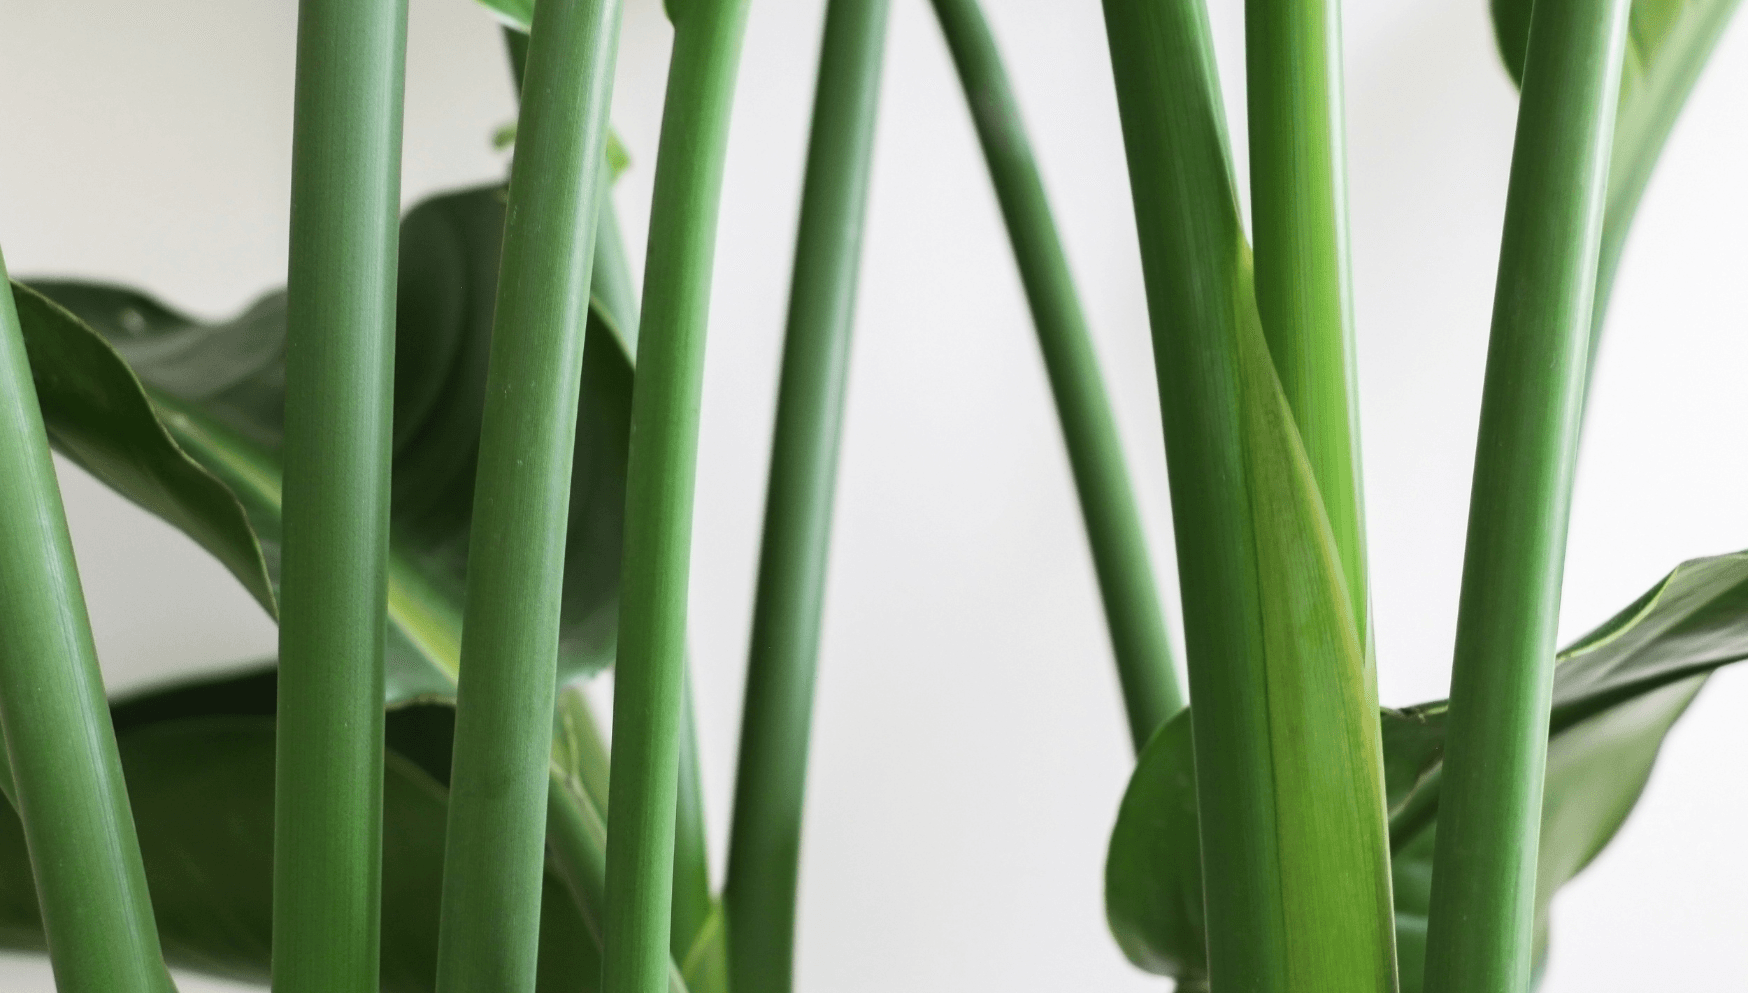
(659, 488)
(1483, 891)
(770, 787)
(1095, 450)
(66, 777)
(497, 813)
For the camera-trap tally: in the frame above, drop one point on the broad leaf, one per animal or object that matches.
(98, 416)
(199, 766)
(1668, 43)
(1617, 692)
(217, 396)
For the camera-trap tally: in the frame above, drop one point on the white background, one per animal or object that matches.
(969, 751)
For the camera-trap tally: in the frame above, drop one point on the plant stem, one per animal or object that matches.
(66, 777)
(613, 293)
(692, 897)
(1479, 927)
(659, 489)
(770, 787)
(1298, 195)
(345, 205)
(1186, 214)
(503, 739)
(1095, 450)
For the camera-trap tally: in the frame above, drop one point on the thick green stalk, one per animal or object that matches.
(650, 676)
(765, 841)
(1095, 451)
(1187, 216)
(1479, 927)
(345, 205)
(1298, 196)
(503, 740)
(1288, 783)
(66, 780)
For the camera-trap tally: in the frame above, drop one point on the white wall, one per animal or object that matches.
(969, 751)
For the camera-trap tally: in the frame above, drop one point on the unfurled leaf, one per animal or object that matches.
(216, 396)
(1617, 691)
(199, 766)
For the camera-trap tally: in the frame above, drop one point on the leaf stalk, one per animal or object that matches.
(493, 865)
(1133, 614)
(339, 369)
(660, 479)
(1482, 908)
(65, 770)
(770, 786)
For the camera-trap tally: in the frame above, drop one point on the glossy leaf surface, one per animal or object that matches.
(216, 400)
(199, 765)
(1617, 692)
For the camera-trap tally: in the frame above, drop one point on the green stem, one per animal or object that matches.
(1479, 927)
(497, 813)
(1095, 450)
(66, 773)
(765, 840)
(692, 897)
(1186, 214)
(614, 293)
(1298, 195)
(345, 204)
(650, 672)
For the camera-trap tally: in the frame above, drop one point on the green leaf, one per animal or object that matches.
(1617, 691)
(199, 765)
(216, 399)
(1668, 44)
(99, 417)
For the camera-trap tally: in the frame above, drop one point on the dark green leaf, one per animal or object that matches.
(99, 417)
(217, 390)
(199, 764)
(1617, 691)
